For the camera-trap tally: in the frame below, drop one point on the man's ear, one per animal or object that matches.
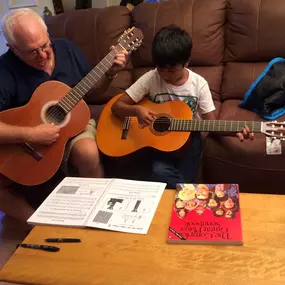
(12, 48)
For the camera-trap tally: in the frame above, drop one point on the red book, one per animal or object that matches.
(206, 214)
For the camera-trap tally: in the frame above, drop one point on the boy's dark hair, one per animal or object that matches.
(171, 46)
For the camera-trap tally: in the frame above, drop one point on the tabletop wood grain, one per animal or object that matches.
(106, 257)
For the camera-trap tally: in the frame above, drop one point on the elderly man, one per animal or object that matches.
(32, 59)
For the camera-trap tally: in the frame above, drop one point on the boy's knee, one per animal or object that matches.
(162, 172)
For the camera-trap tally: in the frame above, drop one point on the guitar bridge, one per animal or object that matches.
(126, 127)
(30, 150)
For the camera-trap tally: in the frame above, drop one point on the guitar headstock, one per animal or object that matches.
(131, 39)
(274, 129)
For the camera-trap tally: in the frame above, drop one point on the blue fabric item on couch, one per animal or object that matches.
(266, 95)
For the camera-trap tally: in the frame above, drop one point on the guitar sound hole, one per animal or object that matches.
(161, 124)
(55, 114)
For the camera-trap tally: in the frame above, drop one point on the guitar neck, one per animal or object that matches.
(213, 125)
(70, 100)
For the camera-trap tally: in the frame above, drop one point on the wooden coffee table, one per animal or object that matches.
(110, 258)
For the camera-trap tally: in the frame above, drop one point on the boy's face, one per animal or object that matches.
(172, 75)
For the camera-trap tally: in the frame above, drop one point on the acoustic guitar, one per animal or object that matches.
(169, 131)
(54, 102)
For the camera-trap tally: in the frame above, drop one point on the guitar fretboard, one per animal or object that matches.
(213, 125)
(70, 100)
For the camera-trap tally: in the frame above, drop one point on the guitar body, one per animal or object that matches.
(19, 165)
(110, 129)
(55, 102)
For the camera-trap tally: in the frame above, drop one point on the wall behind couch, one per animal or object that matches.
(4, 8)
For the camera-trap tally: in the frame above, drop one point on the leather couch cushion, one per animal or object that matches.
(203, 20)
(255, 30)
(238, 77)
(89, 30)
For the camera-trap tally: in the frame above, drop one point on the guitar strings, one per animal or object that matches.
(92, 73)
(202, 124)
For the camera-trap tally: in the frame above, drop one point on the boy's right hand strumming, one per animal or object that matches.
(145, 116)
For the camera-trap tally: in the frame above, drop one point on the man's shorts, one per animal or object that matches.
(35, 195)
(88, 133)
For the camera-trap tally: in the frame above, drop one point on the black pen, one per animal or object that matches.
(40, 246)
(63, 240)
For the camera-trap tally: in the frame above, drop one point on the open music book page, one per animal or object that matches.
(112, 204)
(127, 206)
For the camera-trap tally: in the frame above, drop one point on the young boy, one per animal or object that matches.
(171, 80)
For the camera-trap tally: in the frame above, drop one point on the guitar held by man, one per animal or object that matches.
(53, 103)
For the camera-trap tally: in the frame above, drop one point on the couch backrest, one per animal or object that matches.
(254, 35)
(233, 40)
(203, 20)
(94, 31)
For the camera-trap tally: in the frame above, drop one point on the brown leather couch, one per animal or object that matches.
(233, 42)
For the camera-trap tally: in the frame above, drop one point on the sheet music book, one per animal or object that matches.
(111, 204)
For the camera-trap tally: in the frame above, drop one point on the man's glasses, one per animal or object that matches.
(45, 48)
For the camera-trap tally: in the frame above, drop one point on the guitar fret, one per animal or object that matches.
(88, 80)
(103, 72)
(67, 103)
(75, 95)
(105, 66)
(80, 93)
(97, 73)
(81, 85)
(86, 84)
(213, 125)
(62, 106)
(71, 99)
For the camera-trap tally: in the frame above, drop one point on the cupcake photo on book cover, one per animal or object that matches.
(206, 214)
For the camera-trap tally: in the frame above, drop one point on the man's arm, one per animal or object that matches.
(13, 134)
(43, 134)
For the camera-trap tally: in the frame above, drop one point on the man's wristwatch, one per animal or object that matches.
(109, 76)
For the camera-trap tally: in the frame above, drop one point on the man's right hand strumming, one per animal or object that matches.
(45, 134)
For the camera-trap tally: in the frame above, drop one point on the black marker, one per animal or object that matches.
(40, 246)
(62, 240)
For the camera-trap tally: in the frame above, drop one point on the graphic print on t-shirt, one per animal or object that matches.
(191, 101)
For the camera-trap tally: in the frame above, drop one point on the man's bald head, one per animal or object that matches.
(22, 25)
(27, 37)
